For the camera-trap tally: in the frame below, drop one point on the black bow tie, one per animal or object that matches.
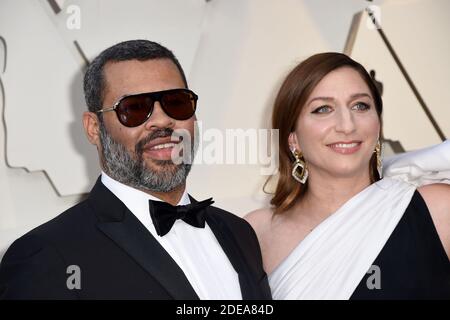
(164, 215)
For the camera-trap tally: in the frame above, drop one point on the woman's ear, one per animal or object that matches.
(292, 140)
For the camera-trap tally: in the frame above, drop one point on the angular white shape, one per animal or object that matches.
(44, 99)
(423, 49)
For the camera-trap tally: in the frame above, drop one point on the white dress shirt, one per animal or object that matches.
(195, 250)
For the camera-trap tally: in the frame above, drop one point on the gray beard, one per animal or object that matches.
(121, 166)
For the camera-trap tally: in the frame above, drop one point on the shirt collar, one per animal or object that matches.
(135, 200)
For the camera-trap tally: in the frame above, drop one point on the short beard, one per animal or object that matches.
(121, 166)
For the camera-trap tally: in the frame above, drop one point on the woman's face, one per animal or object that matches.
(338, 127)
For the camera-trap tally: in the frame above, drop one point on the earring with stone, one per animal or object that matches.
(299, 169)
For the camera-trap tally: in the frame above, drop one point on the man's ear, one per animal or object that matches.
(91, 126)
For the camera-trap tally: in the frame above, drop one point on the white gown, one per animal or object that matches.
(331, 261)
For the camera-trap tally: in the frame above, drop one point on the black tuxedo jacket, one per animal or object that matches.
(118, 258)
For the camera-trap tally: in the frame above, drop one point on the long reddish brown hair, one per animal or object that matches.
(292, 96)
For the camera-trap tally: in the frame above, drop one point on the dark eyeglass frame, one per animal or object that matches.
(155, 97)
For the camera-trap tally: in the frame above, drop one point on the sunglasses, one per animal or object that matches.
(134, 109)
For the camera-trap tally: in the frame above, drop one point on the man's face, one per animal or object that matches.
(141, 156)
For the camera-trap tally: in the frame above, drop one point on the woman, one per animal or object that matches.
(336, 229)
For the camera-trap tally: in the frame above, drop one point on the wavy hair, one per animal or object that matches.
(292, 96)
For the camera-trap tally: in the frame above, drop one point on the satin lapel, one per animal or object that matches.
(234, 254)
(122, 227)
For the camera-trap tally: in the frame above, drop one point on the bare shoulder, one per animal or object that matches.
(259, 219)
(436, 196)
(437, 199)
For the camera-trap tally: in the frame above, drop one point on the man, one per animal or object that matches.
(138, 235)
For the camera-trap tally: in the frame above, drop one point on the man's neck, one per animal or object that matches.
(172, 197)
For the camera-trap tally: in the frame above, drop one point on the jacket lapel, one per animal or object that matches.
(122, 227)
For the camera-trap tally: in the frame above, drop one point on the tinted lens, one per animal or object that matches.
(134, 110)
(179, 104)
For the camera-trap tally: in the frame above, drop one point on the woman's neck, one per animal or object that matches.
(325, 195)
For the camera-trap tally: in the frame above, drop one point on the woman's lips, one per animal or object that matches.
(345, 147)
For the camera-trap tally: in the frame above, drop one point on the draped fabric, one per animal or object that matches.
(331, 261)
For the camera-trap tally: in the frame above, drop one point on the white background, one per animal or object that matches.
(235, 54)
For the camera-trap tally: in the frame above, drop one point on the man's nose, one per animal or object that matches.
(159, 119)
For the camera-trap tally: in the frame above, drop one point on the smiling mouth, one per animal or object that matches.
(164, 146)
(161, 150)
(345, 147)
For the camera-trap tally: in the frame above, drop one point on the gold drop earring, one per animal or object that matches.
(379, 154)
(300, 169)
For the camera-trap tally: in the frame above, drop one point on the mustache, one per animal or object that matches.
(160, 133)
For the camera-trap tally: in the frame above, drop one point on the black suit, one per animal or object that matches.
(118, 257)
